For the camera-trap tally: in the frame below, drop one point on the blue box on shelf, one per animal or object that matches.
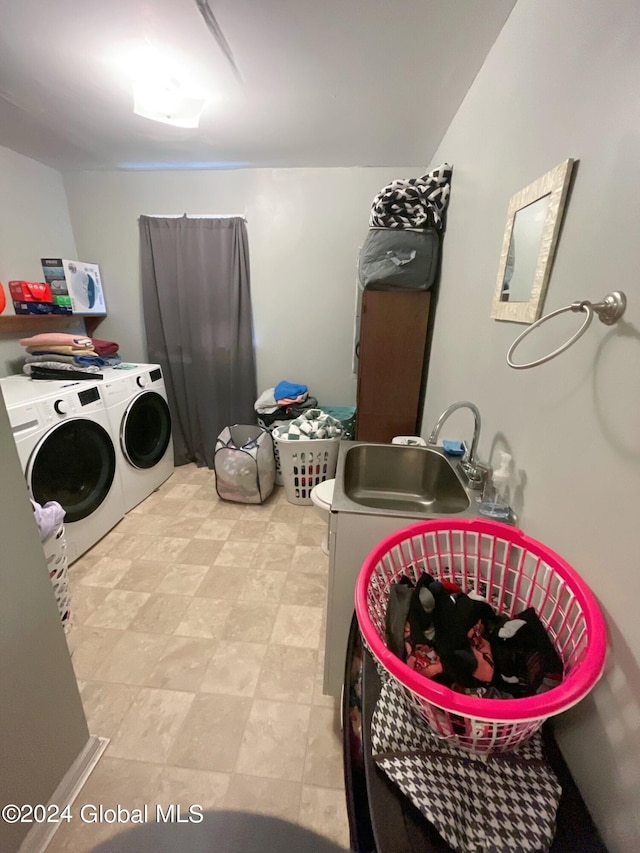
(33, 307)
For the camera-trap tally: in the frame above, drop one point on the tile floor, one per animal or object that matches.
(198, 650)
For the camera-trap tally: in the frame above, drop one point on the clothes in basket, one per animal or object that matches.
(347, 417)
(244, 464)
(271, 410)
(308, 452)
(272, 413)
(313, 424)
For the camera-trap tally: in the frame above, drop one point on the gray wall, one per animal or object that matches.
(42, 724)
(305, 227)
(561, 81)
(34, 224)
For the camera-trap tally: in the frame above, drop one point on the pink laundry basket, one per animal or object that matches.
(513, 572)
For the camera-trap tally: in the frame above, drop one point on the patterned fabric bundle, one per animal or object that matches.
(413, 202)
(314, 423)
(497, 805)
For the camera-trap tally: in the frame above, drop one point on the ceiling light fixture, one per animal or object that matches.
(160, 91)
(162, 100)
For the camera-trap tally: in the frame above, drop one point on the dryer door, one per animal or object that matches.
(145, 431)
(74, 464)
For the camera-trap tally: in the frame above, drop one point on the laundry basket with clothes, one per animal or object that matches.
(49, 518)
(277, 406)
(308, 450)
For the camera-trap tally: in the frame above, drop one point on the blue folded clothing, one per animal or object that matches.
(85, 360)
(112, 360)
(288, 390)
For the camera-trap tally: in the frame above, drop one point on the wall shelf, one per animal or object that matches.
(16, 323)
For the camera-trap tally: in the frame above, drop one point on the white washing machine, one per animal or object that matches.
(136, 404)
(64, 443)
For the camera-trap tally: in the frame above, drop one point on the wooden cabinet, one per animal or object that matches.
(392, 346)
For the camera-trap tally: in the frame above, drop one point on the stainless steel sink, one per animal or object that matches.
(405, 479)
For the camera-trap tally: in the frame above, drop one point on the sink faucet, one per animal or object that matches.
(474, 471)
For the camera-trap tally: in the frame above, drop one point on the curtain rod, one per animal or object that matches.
(197, 216)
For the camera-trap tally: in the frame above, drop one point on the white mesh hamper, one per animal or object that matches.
(244, 464)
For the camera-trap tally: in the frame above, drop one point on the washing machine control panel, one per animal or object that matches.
(142, 381)
(73, 402)
(61, 406)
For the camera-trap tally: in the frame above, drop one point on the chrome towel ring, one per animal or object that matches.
(609, 311)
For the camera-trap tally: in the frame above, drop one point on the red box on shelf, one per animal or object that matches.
(30, 291)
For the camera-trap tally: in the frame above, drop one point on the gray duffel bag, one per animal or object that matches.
(395, 257)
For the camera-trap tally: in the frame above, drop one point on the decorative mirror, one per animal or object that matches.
(530, 237)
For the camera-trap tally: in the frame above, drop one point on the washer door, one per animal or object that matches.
(145, 431)
(74, 464)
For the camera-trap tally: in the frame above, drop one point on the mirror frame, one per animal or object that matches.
(556, 183)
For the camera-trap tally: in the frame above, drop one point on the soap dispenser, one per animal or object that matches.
(496, 495)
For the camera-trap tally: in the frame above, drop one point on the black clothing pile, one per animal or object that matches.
(285, 402)
(460, 641)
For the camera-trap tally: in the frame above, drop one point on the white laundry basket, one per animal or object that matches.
(55, 552)
(305, 463)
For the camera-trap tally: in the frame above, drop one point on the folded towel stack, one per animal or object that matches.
(56, 355)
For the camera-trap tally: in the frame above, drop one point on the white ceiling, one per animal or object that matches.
(325, 82)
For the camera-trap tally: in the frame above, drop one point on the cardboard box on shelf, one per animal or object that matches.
(54, 275)
(30, 291)
(78, 280)
(61, 305)
(33, 307)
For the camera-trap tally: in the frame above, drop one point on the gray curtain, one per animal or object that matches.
(197, 315)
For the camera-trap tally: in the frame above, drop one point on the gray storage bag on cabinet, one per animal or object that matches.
(244, 465)
(394, 257)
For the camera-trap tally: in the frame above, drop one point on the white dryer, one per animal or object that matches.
(64, 443)
(136, 404)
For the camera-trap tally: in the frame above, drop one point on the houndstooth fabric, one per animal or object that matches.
(499, 804)
(314, 423)
(413, 202)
